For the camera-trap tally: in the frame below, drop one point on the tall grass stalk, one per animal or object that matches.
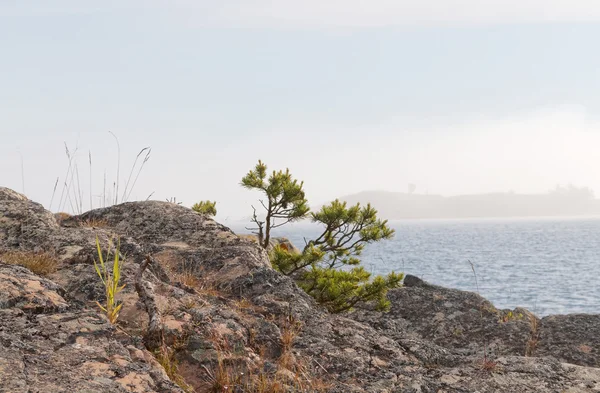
(68, 198)
(138, 173)
(91, 201)
(104, 192)
(53, 193)
(72, 195)
(118, 167)
(486, 361)
(126, 196)
(78, 194)
(72, 176)
(22, 173)
(69, 187)
(62, 194)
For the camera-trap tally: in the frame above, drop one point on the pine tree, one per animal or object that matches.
(285, 200)
(329, 268)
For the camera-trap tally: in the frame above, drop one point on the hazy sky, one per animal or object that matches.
(456, 96)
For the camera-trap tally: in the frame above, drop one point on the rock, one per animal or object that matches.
(23, 222)
(413, 281)
(25, 291)
(456, 320)
(223, 308)
(48, 346)
(285, 243)
(570, 338)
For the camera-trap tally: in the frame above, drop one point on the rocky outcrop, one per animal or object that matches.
(570, 338)
(457, 320)
(224, 310)
(50, 346)
(468, 324)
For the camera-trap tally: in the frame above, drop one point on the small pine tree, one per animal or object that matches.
(206, 207)
(329, 268)
(285, 200)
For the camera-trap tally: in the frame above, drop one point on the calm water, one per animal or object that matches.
(550, 266)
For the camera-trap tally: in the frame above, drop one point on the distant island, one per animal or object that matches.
(562, 201)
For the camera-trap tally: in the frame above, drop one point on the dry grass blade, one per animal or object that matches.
(72, 194)
(125, 196)
(487, 363)
(226, 378)
(62, 194)
(289, 331)
(94, 223)
(91, 200)
(39, 263)
(22, 173)
(166, 358)
(534, 338)
(53, 193)
(78, 195)
(118, 167)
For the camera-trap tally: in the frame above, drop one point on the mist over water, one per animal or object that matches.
(547, 265)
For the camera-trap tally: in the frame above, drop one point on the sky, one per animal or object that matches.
(454, 96)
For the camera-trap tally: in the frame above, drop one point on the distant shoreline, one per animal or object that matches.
(562, 202)
(506, 218)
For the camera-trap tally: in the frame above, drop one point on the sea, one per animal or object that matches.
(547, 265)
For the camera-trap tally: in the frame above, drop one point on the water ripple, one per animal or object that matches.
(549, 266)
